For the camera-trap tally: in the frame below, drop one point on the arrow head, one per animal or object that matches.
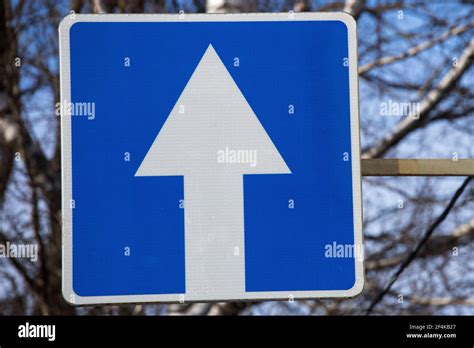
(212, 129)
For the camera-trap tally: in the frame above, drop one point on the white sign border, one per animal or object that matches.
(65, 88)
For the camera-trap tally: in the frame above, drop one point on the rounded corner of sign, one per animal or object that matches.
(347, 19)
(357, 288)
(66, 24)
(70, 296)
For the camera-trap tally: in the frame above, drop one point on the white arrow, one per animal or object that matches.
(212, 137)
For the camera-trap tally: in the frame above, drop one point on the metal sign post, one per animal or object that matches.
(417, 167)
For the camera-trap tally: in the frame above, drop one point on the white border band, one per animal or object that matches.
(65, 82)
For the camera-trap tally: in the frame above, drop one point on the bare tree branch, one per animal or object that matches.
(412, 121)
(436, 246)
(413, 51)
(420, 245)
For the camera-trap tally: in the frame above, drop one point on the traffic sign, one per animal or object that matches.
(210, 157)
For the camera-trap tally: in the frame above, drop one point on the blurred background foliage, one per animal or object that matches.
(410, 51)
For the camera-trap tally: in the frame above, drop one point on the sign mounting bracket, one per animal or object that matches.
(417, 167)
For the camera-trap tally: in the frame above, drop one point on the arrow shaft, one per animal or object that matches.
(214, 236)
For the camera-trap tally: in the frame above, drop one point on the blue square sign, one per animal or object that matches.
(210, 157)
